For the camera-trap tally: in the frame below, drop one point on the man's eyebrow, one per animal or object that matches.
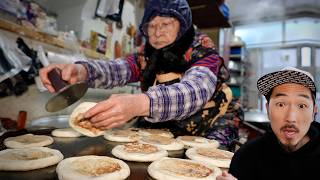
(280, 94)
(305, 96)
(301, 95)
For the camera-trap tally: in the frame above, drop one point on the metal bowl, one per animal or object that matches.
(59, 121)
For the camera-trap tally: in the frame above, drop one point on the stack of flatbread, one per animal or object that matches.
(92, 167)
(81, 124)
(217, 157)
(27, 141)
(177, 169)
(197, 141)
(29, 158)
(139, 152)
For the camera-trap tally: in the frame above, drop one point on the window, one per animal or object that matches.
(279, 58)
(317, 57)
(302, 29)
(263, 33)
(305, 56)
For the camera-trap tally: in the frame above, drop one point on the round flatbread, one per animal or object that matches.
(166, 143)
(160, 132)
(92, 167)
(28, 158)
(139, 152)
(177, 169)
(197, 141)
(81, 124)
(28, 140)
(66, 132)
(217, 157)
(123, 135)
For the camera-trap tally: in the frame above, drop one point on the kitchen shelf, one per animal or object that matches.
(207, 14)
(44, 37)
(238, 65)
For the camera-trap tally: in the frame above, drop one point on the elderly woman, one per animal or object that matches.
(179, 72)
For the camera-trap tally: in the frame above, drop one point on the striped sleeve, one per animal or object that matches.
(109, 74)
(181, 100)
(212, 61)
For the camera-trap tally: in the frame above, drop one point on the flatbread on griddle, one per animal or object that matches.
(92, 167)
(123, 135)
(139, 152)
(28, 158)
(177, 169)
(65, 132)
(217, 157)
(28, 140)
(198, 141)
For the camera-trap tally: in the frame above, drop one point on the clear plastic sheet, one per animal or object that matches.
(16, 59)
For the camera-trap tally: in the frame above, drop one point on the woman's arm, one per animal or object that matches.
(181, 100)
(109, 74)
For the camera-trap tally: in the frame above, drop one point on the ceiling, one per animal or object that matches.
(251, 10)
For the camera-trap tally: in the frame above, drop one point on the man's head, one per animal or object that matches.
(165, 21)
(291, 107)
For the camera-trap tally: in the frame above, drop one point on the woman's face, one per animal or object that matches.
(162, 31)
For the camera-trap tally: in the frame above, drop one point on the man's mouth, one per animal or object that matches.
(289, 131)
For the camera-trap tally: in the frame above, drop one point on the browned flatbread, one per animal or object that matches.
(140, 152)
(217, 157)
(92, 167)
(176, 169)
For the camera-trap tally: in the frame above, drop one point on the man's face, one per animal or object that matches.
(291, 111)
(162, 31)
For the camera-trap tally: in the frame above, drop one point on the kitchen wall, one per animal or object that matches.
(33, 101)
(72, 15)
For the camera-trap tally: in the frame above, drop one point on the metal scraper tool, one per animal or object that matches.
(66, 94)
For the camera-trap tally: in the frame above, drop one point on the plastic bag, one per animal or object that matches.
(15, 58)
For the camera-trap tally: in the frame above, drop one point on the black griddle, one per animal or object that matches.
(71, 147)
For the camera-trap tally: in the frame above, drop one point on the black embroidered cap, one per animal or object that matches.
(286, 75)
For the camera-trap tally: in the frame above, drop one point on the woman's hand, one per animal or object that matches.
(71, 73)
(226, 176)
(118, 109)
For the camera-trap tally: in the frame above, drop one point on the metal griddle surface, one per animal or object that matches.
(71, 147)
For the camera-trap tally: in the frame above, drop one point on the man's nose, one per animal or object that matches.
(291, 114)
